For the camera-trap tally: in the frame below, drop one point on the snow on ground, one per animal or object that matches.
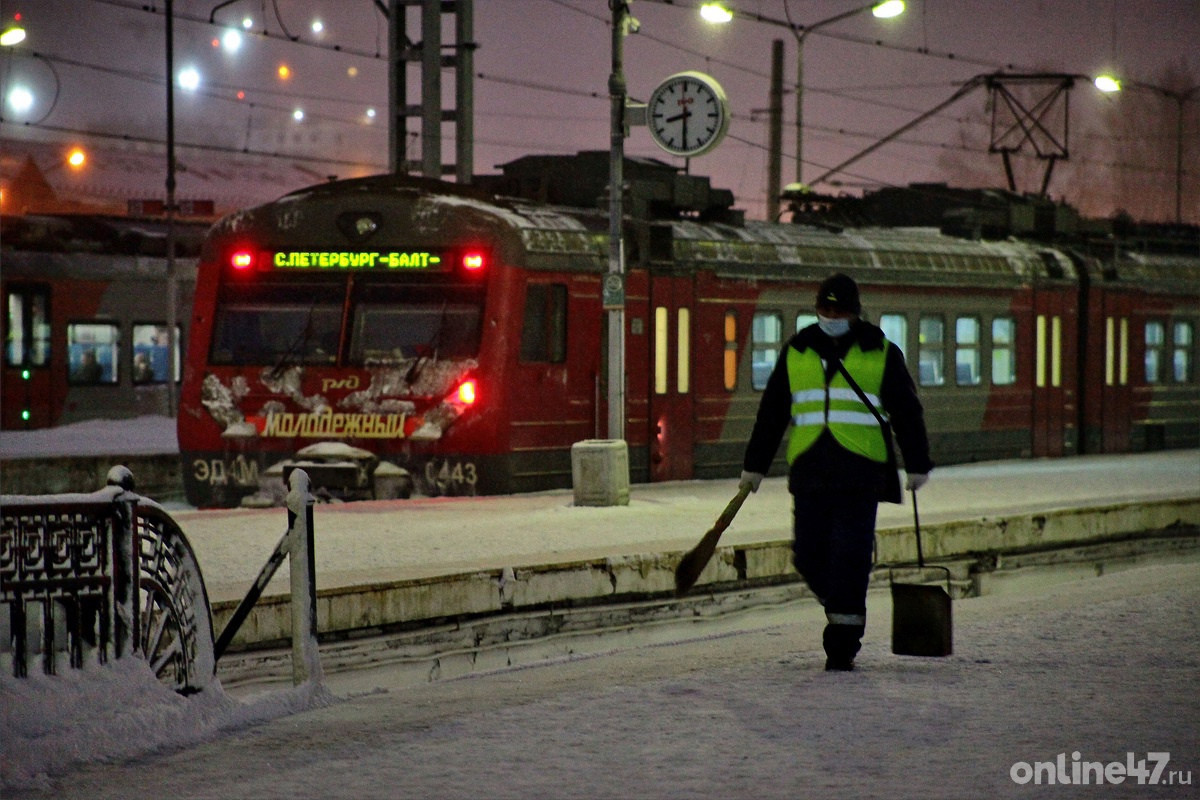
(148, 435)
(1104, 668)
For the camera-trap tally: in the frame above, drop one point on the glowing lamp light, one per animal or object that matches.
(242, 260)
(77, 157)
(716, 13)
(11, 36)
(20, 99)
(189, 79)
(466, 393)
(473, 262)
(1107, 84)
(888, 9)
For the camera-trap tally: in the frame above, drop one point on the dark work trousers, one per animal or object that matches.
(833, 551)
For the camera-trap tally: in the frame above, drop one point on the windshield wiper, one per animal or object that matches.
(298, 345)
(414, 372)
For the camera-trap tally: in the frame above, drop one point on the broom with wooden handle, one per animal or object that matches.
(694, 560)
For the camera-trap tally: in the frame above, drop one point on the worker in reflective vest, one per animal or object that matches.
(843, 388)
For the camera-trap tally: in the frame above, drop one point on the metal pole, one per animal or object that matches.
(172, 339)
(306, 658)
(1179, 159)
(397, 87)
(431, 89)
(774, 154)
(464, 119)
(800, 107)
(614, 302)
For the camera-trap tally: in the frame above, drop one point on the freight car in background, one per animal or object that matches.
(85, 326)
(396, 334)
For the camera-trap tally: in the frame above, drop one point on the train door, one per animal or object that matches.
(1054, 378)
(671, 419)
(1116, 394)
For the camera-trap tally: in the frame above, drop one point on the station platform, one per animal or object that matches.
(467, 574)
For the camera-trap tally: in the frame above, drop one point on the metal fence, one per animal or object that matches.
(94, 577)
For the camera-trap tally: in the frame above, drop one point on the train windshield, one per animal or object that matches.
(272, 325)
(397, 323)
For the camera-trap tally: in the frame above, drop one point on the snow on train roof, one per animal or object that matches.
(893, 250)
(548, 229)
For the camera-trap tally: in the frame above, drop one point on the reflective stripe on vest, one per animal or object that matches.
(817, 406)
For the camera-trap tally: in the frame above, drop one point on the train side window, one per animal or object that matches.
(1182, 355)
(931, 356)
(895, 328)
(544, 334)
(151, 353)
(1116, 346)
(660, 350)
(731, 334)
(92, 349)
(766, 337)
(1155, 341)
(967, 369)
(683, 351)
(1004, 351)
(27, 326)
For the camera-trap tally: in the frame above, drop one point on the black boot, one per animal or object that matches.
(842, 643)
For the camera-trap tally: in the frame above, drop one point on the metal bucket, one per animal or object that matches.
(922, 622)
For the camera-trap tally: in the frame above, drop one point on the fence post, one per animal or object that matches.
(306, 658)
(126, 548)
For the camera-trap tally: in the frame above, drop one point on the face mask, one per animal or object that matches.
(833, 327)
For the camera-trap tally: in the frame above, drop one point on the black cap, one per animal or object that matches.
(839, 292)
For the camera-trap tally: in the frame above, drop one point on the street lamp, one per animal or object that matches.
(1110, 84)
(718, 12)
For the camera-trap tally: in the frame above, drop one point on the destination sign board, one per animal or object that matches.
(415, 260)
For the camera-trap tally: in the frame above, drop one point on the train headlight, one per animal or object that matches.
(241, 260)
(466, 394)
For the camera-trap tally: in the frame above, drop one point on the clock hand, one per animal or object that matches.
(681, 115)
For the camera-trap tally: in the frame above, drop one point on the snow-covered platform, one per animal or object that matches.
(386, 565)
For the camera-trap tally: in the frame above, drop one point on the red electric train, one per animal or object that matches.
(396, 334)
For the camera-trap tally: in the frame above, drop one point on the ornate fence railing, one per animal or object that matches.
(101, 576)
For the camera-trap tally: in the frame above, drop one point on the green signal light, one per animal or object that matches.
(25, 374)
(25, 415)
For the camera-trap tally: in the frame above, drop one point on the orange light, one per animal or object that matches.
(473, 261)
(77, 157)
(466, 393)
(285, 72)
(242, 259)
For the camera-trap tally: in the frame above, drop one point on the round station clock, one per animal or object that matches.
(687, 114)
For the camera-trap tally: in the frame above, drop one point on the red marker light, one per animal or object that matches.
(466, 393)
(473, 261)
(242, 259)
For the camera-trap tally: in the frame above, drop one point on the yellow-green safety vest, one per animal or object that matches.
(817, 405)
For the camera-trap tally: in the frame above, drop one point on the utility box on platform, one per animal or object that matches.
(600, 472)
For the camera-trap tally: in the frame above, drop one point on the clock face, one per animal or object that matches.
(687, 114)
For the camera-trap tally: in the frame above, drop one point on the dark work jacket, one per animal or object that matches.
(827, 466)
